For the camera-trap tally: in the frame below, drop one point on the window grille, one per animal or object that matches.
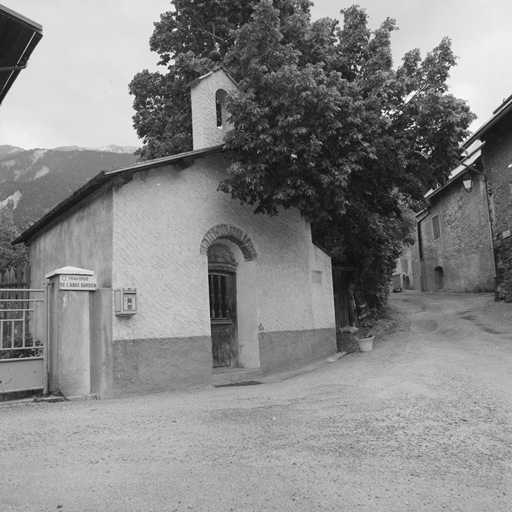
(219, 297)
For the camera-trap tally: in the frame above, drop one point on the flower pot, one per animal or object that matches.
(365, 344)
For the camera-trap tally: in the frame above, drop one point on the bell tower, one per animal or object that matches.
(209, 115)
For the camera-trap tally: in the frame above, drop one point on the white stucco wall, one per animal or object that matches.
(321, 289)
(81, 239)
(151, 234)
(160, 219)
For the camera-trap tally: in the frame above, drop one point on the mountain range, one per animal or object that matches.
(33, 181)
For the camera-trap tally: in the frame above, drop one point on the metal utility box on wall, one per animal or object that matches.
(125, 300)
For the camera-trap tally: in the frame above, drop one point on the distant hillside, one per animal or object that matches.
(9, 150)
(111, 148)
(36, 180)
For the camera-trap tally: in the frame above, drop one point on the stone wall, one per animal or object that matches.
(460, 259)
(497, 160)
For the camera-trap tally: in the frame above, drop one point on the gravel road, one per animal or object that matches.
(421, 423)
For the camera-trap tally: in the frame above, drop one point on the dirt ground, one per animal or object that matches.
(421, 423)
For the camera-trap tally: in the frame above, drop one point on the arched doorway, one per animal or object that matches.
(439, 278)
(234, 259)
(223, 318)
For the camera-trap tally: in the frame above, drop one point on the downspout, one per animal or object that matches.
(489, 224)
(420, 251)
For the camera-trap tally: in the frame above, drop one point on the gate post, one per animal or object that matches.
(70, 351)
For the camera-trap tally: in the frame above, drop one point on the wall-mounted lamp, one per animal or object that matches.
(467, 181)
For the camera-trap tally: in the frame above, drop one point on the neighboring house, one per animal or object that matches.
(453, 251)
(218, 288)
(496, 136)
(464, 240)
(18, 38)
(403, 276)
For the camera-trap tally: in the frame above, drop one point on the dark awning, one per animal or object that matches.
(18, 38)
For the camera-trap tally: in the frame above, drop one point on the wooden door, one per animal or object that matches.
(439, 278)
(223, 318)
(344, 305)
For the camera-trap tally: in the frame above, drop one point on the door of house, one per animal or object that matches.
(439, 278)
(344, 305)
(222, 290)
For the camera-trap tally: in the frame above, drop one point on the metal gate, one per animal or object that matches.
(23, 340)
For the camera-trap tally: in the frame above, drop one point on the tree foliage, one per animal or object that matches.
(10, 256)
(183, 38)
(322, 121)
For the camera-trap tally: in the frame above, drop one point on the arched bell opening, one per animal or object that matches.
(220, 108)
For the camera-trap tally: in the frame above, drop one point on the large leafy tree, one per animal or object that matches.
(183, 38)
(322, 121)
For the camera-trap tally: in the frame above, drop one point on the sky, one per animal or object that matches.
(75, 88)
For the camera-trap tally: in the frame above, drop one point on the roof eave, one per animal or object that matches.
(14, 73)
(217, 67)
(500, 114)
(22, 20)
(25, 30)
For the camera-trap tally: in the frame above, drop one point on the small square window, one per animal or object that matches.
(436, 227)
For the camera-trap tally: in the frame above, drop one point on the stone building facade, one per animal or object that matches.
(404, 276)
(496, 136)
(218, 288)
(454, 243)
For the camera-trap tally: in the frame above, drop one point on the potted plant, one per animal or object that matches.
(365, 337)
(366, 343)
(362, 336)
